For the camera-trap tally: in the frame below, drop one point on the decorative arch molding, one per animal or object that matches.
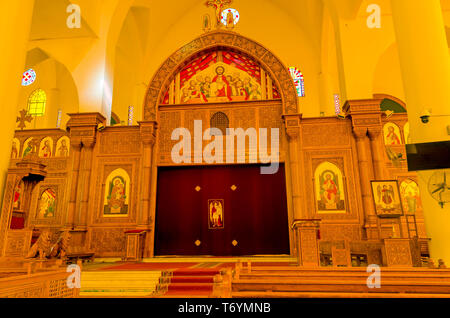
(393, 98)
(224, 39)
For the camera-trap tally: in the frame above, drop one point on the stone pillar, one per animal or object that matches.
(306, 233)
(83, 134)
(425, 66)
(145, 221)
(15, 23)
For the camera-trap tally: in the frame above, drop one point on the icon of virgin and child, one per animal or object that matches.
(220, 87)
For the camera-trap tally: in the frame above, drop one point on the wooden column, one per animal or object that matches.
(83, 134)
(75, 145)
(378, 151)
(296, 184)
(306, 231)
(366, 122)
(145, 221)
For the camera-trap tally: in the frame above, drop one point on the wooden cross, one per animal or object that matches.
(24, 117)
(219, 6)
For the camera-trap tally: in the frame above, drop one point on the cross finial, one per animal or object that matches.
(24, 117)
(219, 6)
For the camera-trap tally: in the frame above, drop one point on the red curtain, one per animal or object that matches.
(255, 213)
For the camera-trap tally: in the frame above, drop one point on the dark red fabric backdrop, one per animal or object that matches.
(255, 214)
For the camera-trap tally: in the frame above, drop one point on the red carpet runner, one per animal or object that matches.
(191, 283)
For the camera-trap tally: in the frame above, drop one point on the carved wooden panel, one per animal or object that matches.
(398, 252)
(338, 232)
(309, 248)
(343, 159)
(104, 167)
(261, 114)
(59, 187)
(108, 242)
(17, 243)
(115, 141)
(168, 121)
(327, 133)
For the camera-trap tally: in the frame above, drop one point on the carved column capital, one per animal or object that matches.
(374, 132)
(83, 128)
(292, 125)
(360, 132)
(148, 132)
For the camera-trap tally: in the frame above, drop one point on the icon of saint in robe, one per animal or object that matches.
(63, 150)
(14, 151)
(28, 150)
(223, 87)
(17, 195)
(116, 200)
(215, 214)
(386, 196)
(47, 204)
(329, 192)
(46, 150)
(392, 138)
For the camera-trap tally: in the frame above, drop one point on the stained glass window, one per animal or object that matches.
(28, 77)
(36, 103)
(58, 119)
(130, 115)
(299, 81)
(337, 103)
(236, 16)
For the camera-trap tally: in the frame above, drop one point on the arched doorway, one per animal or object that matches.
(223, 206)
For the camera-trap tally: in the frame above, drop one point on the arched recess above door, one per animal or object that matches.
(223, 40)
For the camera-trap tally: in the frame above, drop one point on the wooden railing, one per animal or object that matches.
(48, 284)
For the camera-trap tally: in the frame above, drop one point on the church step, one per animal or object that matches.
(189, 279)
(387, 277)
(119, 283)
(401, 286)
(192, 272)
(273, 294)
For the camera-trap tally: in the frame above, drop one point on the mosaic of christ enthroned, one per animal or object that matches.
(220, 76)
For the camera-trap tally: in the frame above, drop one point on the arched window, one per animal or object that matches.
(36, 103)
(299, 81)
(220, 120)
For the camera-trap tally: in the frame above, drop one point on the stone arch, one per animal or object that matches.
(223, 39)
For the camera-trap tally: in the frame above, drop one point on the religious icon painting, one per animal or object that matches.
(15, 149)
(62, 147)
(329, 189)
(410, 195)
(216, 214)
(47, 204)
(117, 193)
(46, 148)
(27, 147)
(392, 135)
(219, 76)
(406, 133)
(206, 23)
(386, 197)
(18, 193)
